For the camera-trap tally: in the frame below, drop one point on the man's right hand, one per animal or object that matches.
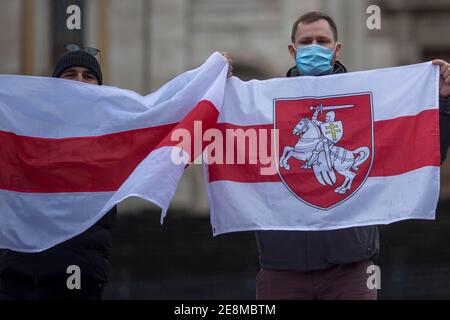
(230, 64)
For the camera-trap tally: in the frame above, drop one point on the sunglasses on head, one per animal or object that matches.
(90, 50)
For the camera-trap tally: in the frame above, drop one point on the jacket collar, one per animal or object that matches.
(337, 68)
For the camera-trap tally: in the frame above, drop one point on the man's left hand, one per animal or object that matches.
(444, 79)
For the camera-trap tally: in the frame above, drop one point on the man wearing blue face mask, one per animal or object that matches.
(314, 59)
(314, 46)
(326, 264)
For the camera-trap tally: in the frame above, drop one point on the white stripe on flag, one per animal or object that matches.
(256, 100)
(270, 206)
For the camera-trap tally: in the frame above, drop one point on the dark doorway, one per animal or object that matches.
(61, 35)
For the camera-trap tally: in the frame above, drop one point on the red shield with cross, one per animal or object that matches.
(325, 146)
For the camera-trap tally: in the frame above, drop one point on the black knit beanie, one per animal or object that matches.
(78, 59)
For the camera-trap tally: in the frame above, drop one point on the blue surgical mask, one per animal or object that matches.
(314, 60)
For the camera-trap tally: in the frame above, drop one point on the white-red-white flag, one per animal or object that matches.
(319, 153)
(70, 151)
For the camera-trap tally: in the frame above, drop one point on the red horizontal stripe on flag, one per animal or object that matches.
(406, 143)
(86, 164)
(401, 145)
(245, 172)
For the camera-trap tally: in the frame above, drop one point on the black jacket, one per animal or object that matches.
(314, 250)
(89, 250)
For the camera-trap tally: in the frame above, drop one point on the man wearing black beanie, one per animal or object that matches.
(80, 66)
(46, 275)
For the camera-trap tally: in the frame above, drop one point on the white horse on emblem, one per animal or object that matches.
(339, 158)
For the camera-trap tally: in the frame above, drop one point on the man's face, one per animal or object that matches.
(81, 74)
(317, 32)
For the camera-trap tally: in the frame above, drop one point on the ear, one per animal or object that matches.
(337, 52)
(292, 51)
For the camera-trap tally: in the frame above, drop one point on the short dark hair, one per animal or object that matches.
(312, 17)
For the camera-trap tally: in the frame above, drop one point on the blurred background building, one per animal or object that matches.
(145, 43)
